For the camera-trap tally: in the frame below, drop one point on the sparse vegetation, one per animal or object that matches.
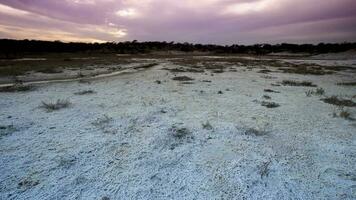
(264, 168)
(297, 83)
(317, 92)
(207, 126)
(269, 104)
(100, 122)
(342, 113)
(17, 87)
(179, 132)
(146, 66)
(306, 69)
(53, 106)
(50, 70)
(182, 78)
(271, 91)
(264, 71)
(266, 97)
(347, 83)
(334, 100)
(255, 132)
(84, 92)
(28, 183)
(7, 130)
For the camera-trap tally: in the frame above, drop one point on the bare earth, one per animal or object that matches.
(169, 132)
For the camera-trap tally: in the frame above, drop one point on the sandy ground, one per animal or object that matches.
(122, 143)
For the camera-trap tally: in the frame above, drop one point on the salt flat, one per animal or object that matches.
(143, 135)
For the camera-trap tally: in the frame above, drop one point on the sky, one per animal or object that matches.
(195, 21)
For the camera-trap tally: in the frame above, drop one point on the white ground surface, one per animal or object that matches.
(306, 153)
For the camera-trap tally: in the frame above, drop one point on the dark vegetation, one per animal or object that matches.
(84, 92)
(269, 104)
(347, 83)
(316, 92)
(17, 87)
(270, 91)
(298, 83)
(56, 62)
(17, 48)
(334, 100)
(255, 132)
(53, 106)
(7, 130)
(182, 78)
(180, 132)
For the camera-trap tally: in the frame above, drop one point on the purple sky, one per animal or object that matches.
(198, 21)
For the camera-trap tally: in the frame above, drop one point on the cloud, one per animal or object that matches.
(207, 21)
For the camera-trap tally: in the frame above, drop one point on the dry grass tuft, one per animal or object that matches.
(207, 126)
(53, 106)
(317, 92)
(179, 132)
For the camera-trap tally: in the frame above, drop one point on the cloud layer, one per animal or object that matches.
(199, 21)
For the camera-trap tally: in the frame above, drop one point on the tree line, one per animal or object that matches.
(13, 48)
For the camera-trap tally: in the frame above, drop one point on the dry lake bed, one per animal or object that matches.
(179, 127)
